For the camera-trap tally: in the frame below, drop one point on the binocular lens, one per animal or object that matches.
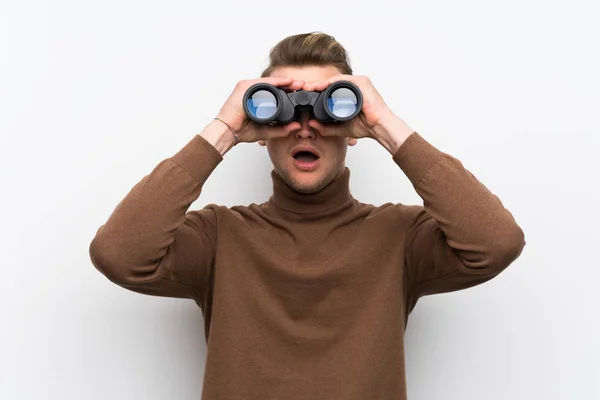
(262, 104)
(342, 102)
(267, 104)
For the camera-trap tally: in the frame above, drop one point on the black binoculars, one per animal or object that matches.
(268, 104)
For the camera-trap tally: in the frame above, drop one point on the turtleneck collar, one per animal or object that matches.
(335, 194)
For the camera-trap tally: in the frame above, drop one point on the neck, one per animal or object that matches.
(335, 195)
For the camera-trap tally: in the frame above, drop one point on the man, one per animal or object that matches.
(307, 295)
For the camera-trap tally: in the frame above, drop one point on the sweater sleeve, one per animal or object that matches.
(462, 236)
(151, 244)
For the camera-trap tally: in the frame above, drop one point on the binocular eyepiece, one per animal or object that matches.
(268, 104)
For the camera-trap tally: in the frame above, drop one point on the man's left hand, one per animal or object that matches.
(374, 109)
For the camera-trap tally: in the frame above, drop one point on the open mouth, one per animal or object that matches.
(305, 156)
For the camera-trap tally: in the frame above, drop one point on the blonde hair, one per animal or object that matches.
(304, 49)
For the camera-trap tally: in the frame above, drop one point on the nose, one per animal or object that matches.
(305, 131)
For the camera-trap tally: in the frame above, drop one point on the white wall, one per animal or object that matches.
(94, 94)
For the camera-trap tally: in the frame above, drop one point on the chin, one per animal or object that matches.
(308, 181)
(308, 189)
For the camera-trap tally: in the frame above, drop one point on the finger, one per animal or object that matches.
(333, 129)
(280, 131)
(323, 84)
(309, 86)
(292, 126)
(296, 85)
(317, 86)
(319, 127)
(277, 81)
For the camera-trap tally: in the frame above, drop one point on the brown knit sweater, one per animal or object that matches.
(306, 296)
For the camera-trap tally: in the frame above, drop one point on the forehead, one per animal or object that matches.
(309, 73)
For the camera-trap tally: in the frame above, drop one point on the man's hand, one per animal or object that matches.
(232, 112)
(375, 121)
(373, 108)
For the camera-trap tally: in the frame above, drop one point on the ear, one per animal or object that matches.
(262, 142)
(352, 141)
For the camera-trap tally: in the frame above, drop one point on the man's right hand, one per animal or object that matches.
(247, 130)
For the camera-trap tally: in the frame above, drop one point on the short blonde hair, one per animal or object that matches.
(313, 48)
